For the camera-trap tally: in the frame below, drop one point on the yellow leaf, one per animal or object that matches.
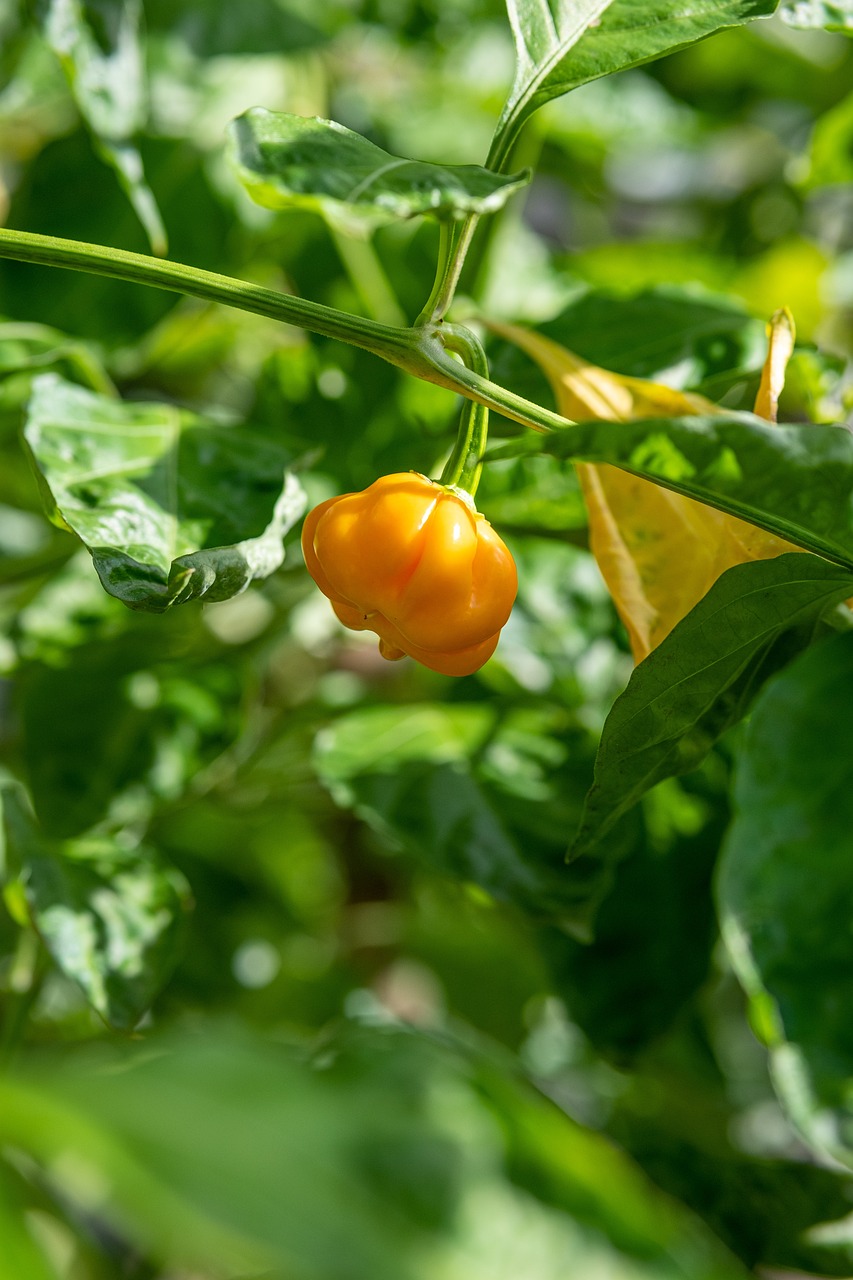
(781, 336)
(658, 552)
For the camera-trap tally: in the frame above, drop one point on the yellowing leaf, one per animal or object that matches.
(658, 552)
(781, 336)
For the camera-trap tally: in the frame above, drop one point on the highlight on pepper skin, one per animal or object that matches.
(415, 562)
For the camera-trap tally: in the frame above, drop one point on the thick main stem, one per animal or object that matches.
(419, 352)
(176, 276)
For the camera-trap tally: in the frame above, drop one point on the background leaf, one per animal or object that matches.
(286, 161)
(20, 1258)
(701, 679)
(409, 774)
(388, 1158)
(785, 891)
(211, 29)
(817, 13)
(109, 914)
(171, 507)
(99, 46)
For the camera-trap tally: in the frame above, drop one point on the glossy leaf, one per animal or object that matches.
(634, 525)
(287, 161)
(545, 31)
(561, 44)
(109, 88)
(785, 890)
(701, 679)
(171, 507)
(110, 915)
(794, 481)
(818, 13)
(396, 1157)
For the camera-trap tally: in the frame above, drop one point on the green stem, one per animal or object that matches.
(454, 241)
(419, 352)
(466, 461)
(455, 238)
(385, 340)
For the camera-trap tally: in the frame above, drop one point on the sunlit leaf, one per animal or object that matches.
(658, 552)
(110, 915)
(785, 890)
(109, 87)
(781, 336)
(796, 481)
(545, 31)
(171, 507)
(701, 679)
(561, 44)
(286, 161)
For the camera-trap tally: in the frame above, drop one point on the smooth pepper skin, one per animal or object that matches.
(415, 562)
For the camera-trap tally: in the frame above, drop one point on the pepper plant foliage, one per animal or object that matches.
(318, 965)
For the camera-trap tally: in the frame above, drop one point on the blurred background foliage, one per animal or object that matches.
(381, 1047)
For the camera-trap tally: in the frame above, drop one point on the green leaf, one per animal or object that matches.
(212, 29)
(831, 147)
(111, 916)
(26, 348)
(395, 1157)
(545, 31)
(20, 1257)
(785, 890)
(779, 1216)
(408, 773)
(702, 677)
(171, 507)
(796, 481)
(817, 13)
(690, 336)
(561, 44)
(659, 911)
(98, 44)
(286, 161)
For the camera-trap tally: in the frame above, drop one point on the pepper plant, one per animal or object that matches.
(526, 952)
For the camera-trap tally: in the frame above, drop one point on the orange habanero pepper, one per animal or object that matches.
(414, 561)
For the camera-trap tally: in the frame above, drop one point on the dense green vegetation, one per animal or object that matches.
(295, 978)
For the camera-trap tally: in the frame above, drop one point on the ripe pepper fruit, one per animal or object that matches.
(414, 561)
